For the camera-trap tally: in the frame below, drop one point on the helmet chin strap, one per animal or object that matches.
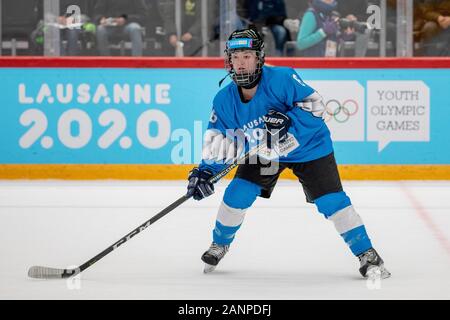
(229, 74)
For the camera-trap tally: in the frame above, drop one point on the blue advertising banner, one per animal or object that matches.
(158, 116)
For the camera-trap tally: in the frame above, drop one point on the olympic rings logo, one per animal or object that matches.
(340, 112)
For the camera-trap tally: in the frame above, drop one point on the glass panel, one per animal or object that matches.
(52, 29)
(293, 28)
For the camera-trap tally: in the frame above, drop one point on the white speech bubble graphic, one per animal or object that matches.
(397, 111)
(344, 114)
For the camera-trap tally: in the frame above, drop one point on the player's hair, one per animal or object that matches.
(250, 39)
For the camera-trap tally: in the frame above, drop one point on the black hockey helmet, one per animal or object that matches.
(245, 39)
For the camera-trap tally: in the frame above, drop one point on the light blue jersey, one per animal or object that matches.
(280, 88)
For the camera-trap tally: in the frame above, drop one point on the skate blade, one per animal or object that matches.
(208, 268)
(377, 272)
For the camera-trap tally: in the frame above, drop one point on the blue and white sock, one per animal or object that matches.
(239, 196)
(338, 208)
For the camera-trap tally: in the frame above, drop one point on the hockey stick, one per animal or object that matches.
(40, 272)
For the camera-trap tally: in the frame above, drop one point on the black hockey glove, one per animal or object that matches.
(277, 125)
(198, 186)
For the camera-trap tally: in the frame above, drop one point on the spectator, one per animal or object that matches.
(122, 19)
(318, 33)
(435, 27)
(190, 41)
(354, 28)
(426, 29)
(74, 29)
(272, 14)
(72, 32)
(352, 10)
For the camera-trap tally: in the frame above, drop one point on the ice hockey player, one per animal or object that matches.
(276, 102)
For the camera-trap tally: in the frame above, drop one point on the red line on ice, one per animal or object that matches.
(427, 219)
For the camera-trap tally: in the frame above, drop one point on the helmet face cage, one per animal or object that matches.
(247, 78)
(245, 40)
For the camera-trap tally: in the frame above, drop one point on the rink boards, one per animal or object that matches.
(121, 118)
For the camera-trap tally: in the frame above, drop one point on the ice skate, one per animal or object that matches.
(213, 255)
(372, 266)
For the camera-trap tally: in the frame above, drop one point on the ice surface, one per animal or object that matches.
(284, 250)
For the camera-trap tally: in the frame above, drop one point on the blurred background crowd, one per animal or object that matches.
(294, 28)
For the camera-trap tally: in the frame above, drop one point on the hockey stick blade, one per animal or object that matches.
(39, 272)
